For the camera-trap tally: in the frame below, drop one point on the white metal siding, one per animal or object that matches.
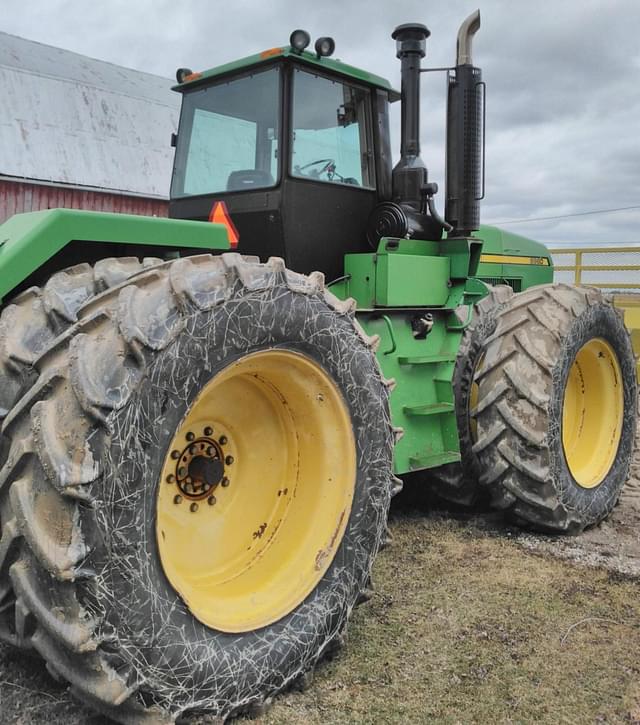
(70, 119)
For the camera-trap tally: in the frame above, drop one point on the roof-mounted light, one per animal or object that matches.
(299, 40)
(182, 73)
(325, 47)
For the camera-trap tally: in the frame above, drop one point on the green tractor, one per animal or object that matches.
(199, 448)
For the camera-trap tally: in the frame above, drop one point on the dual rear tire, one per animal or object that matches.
(550, 434)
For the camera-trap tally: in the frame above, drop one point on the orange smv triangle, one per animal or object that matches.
(220, 215)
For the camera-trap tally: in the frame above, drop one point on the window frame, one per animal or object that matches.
(369, 130)
(181, 155)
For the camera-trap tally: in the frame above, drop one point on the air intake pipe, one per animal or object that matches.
(408, 214)
(410, 173)
(465, 136)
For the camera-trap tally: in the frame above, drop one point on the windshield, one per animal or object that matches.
(331, 131)
(228, 138)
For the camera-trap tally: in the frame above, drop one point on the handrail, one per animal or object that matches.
(579, 268)
(571, 250)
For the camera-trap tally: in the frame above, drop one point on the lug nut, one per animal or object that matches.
(182, 471)
(225, 482)
(228, 460)
(193, 507)
(177, 499)
(188, 488)
(208, 431)
(175, 455)
(211, 500)
(222, 440)
(211, 450)
(193, 450)
(190, 436)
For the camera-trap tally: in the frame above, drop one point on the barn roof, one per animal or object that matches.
(66, 118)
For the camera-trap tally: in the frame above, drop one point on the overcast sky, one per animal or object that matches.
(563, 78)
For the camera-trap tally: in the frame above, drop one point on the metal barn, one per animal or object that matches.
(82, 133)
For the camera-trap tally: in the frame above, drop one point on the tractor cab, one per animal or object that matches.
(295, 144)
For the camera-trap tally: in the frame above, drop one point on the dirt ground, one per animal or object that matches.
(471, 621)
(615, 544)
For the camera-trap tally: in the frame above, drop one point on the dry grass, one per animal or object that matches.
(464, 627)
(467, 627)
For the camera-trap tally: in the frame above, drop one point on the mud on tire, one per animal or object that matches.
(459, 483)
(522, 381)
(28, 326)
(86, 445)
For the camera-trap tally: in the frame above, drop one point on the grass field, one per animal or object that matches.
(465, 627)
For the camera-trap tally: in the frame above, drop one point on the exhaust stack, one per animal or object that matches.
(465, 136)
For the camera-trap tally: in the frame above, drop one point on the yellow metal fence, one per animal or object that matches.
(610, 268)
(613, 269)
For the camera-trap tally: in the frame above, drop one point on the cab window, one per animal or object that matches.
(331, 135)
(228, 138)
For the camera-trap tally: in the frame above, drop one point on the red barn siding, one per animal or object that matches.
(17, 197)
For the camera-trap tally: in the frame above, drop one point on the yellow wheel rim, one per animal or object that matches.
(592, 413)
(256, 490)
(474, 397)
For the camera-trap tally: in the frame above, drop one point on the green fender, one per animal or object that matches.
(28, 240)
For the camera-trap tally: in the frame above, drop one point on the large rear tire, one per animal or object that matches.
(557, 408)
(28, 326)
(459, 483)
(270, 381)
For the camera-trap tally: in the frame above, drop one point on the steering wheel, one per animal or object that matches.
(328, 168)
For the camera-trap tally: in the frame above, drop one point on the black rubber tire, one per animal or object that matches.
(519, 413)
(459, 483)
(31, 321)
(29, 324)
(87, 443)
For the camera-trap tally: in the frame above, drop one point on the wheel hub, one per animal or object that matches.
(199, 467)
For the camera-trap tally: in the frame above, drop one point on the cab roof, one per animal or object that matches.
(304, 58)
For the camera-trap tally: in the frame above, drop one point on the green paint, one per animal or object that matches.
(417, 275)
(464, 255)
(305, 58)
(27, 241)
(360, 284)
(411, 280)
(520, 277)
(425, 359)
(422, 402)
(499, 241)
(409, 273)
(429, 409)
(434, 277)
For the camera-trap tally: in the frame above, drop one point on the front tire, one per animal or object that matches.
(92, 534)
(557, 408)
